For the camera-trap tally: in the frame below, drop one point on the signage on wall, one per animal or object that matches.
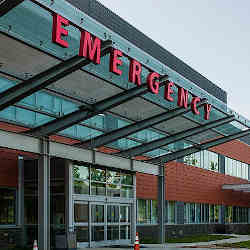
(90, 47)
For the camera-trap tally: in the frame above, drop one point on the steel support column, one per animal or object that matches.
(44, 196)
(197, 148)
(134, 210)
(21, 200)
(133, 128)
(83, 114)
(42, 80)
(141, 149)
(69, 197)
(161, 204)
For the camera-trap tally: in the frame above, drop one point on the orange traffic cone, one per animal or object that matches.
(35, 245)
(137, 244)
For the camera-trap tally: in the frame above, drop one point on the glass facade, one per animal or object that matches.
(7, 206)
(203, 159)
(195, 213)
(234, 214)
(236, 168)
(147, 212)
(102, 204)
(90, 180)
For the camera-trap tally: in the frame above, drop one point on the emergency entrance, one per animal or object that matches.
(103, 202)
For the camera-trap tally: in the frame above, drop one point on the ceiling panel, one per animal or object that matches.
(138, 109)
(86, 87)
(176, 125)
(204, 136)
(22, 61)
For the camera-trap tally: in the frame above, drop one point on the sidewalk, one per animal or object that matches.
(186, 246)
(239, 238)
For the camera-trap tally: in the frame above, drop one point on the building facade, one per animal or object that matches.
(103, 133)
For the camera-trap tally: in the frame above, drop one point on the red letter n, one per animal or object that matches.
(90, 47)
(135, 72)
(59, 31)
(182, 98)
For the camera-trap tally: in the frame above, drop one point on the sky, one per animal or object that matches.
(211, 36)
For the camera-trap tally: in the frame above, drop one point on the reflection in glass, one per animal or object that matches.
(98, 188)
(124, 214)
(154, 218)
(81, 186)
(113, 190)
(127, 192)
(113, 177)
(113, 213)
(97, 213)
(127, 179)
(125, 232)
(113, 233)
(80, 172)
(98, 175)
(97, 233)
(7, 206)
(82, 234)
(81, 213)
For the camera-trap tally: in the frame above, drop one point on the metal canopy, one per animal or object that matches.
(7, 5)
(126, 122)
(83, 114)
(133, 128)
(173, 156)
(40, 81)
(237, 187)
(139, 150)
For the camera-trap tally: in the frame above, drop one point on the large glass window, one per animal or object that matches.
(92, 180)
(204, 159)
(239, 214)
(7, 206)
(236, 168)
(147, 211)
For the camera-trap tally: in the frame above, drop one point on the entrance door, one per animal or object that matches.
(110, 224)
(106, 223)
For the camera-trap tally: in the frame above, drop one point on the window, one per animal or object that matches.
(101, 181)
(239, 214)
(147, 211)
(201, 213)
(236, 168)
(7, 206)
(204, 159)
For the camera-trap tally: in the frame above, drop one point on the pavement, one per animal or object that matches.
(187, 246)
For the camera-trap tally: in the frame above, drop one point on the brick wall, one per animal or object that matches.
(234, 149)
(146, 186)
(8, 170)
(193, 184)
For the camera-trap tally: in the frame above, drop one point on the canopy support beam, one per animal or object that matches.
(173, 156)
(141, 149)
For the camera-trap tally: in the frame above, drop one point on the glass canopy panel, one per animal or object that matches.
(157, 152)
(123, 144)
(204, 136)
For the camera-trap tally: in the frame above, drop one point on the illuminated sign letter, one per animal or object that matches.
(115, 61)
(135, 69)
(169, 91)
(194, 105)
(153, 86)
(207, 109)
(182, 98)
(58, 31)
(90, 47)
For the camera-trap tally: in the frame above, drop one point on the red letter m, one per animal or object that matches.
(90, 47)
